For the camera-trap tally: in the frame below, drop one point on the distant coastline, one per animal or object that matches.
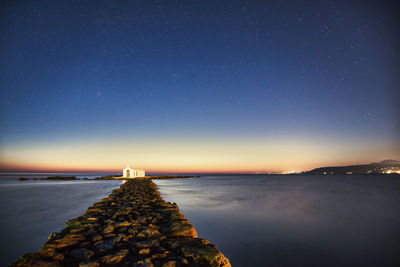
(382, 167)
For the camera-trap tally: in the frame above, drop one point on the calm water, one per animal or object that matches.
(254, 220)
(294, 220)
(31, 210)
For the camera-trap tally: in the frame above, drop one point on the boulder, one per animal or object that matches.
(181, 228)
(144, 251)
(89, 264)
(68, 241)
(109, 229)
(169, 264)
(106, 245)
(96, 238)
(81, 254)
(115, 258)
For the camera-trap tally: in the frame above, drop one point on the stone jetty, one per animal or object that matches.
(133, 226)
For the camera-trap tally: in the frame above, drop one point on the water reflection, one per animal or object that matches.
(31, 210)
(294, 220)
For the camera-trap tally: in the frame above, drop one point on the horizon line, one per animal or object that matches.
(147, 172)
(288, 170)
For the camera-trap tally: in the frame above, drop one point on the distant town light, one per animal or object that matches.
(292, 172)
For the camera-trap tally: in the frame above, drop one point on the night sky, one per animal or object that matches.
(198, 86)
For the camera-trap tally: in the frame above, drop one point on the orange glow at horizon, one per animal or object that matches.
(224, 155)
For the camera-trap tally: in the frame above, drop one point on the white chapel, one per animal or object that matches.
(133, 173)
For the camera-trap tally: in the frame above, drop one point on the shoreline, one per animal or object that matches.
(133, 226)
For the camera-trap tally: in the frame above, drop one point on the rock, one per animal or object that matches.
(181, 228)
(96, 238)
(140, 235)
(122, 230)
(94, 210)
(123, 224)
(145, 263)
(50, 253)
(89, 264)
(147, 260)
(144, 251)
(151, 233)
(135, 223)
(59, 257)
(147, 244)
(169, 264)
(74, 231)
(106, 245)
(109, 229)
(115, 258)
(43, 263)
(81, 254)
(47, 253)
(68, 241)
(53, 236)
(108, 236)
(158, 256)
(144, 244)
(122, 237)
(200, 252)
(85, 244)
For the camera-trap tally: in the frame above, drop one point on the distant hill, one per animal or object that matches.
(385, 166)
(389, 162)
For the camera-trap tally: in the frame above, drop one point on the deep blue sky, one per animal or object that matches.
(73, 70)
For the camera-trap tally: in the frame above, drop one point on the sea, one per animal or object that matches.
(254, 220)
(31, 210)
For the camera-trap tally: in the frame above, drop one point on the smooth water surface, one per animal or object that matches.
(31, 210)
(266, 220)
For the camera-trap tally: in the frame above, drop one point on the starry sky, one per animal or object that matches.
(197, 86)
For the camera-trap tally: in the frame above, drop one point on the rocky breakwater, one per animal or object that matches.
(134, 226)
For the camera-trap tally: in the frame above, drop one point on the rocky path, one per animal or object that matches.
(134, 226)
